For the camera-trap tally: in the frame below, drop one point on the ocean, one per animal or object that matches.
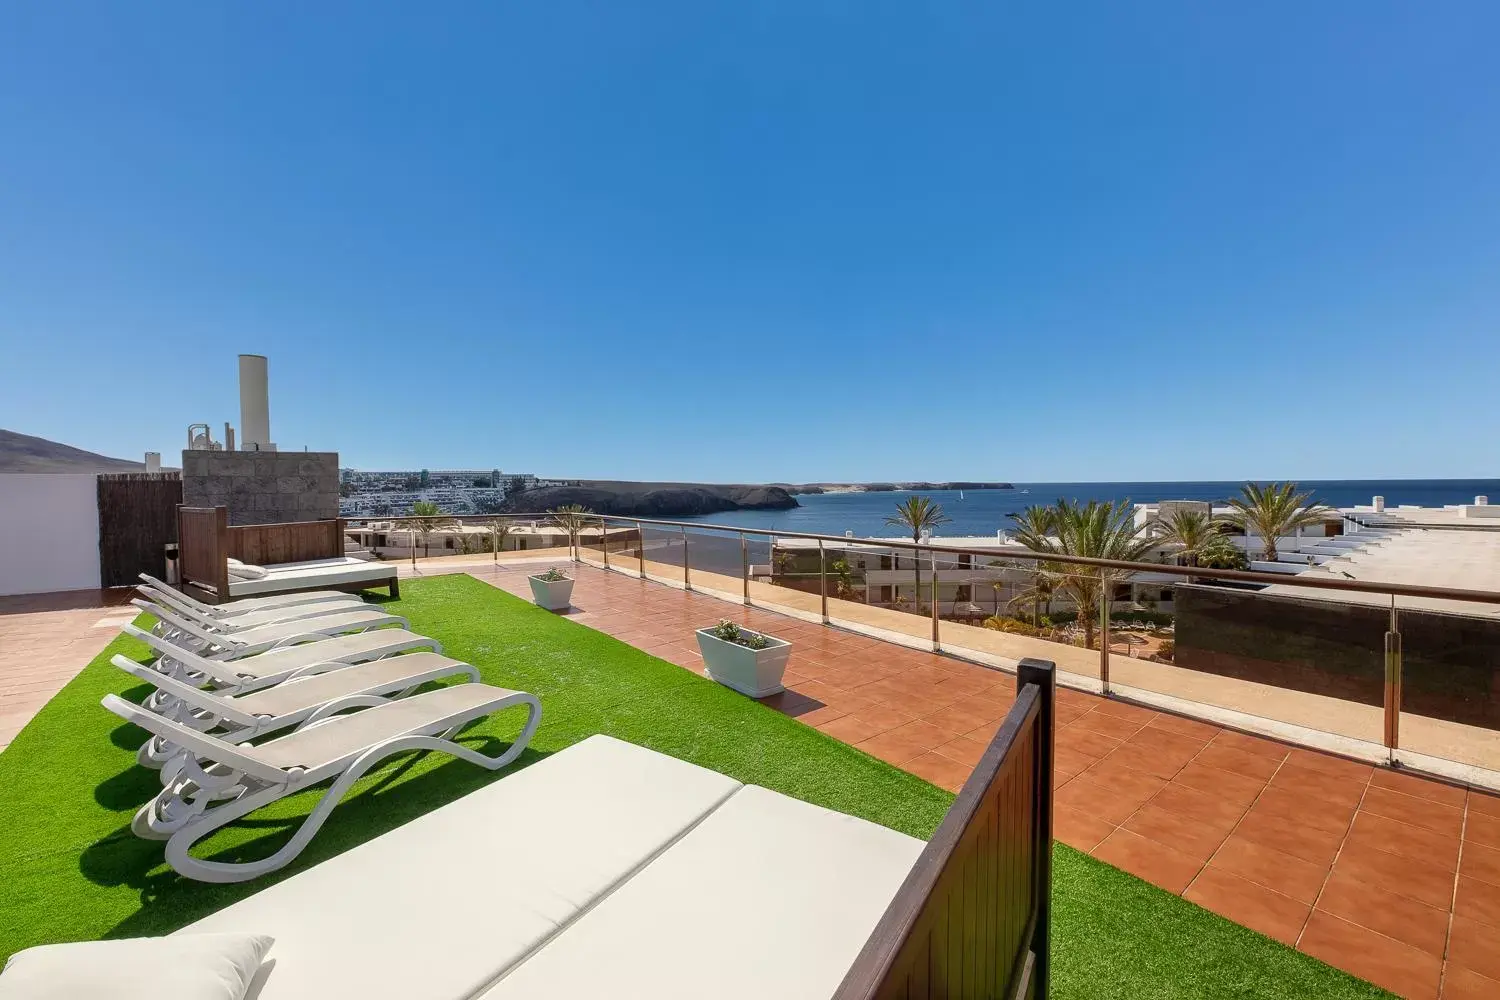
(982, 512)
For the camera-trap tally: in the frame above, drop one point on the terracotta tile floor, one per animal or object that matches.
(45, 639)
(1391, 877)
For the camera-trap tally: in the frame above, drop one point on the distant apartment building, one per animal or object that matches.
(365, 493)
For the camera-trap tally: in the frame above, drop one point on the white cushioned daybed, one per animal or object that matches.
(604, 870)
(342, 573)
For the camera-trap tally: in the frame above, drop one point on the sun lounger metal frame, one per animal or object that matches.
(216, 712)
(250, 673)
(231, 609)
(211, 783)
(191, 635)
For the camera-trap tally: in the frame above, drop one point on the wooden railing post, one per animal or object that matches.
(1043, 674)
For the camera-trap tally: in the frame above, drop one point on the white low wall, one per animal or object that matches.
(49, 533)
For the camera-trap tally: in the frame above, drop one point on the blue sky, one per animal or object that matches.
(766, 241)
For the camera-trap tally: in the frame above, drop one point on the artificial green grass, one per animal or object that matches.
(69, 784)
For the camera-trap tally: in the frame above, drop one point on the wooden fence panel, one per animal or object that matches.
(137, 518)
(973, 917)
(203, 537)
(298, 541)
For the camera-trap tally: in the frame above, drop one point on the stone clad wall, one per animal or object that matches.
(263, 487)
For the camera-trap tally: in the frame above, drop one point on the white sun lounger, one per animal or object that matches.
(239, 717)
(212, 782)
(250, 673)
(248, 619)
(229, 609)
(248, 641)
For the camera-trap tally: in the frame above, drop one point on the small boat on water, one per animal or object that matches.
(1025, 491)
(960, 494)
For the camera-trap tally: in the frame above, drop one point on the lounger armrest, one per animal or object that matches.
(313, 669)
(220, 670)
(165, 599)
(209, 748)
(341, 705)
(182, 624)
(156, 605)
(167, 588)
(298, 639)
(208, 701)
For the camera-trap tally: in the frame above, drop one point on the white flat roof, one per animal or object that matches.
(1422, 557)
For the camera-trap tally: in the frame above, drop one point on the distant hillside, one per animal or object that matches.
(24, 453)
(651, 499)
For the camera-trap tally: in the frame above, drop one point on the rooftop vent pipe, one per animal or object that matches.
(255, 404)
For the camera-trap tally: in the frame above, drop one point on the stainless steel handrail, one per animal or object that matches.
(1392, 646)
(1027, 555)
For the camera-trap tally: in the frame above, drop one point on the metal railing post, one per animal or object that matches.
(640, 531)
(745, 567)
(823, 581)
(936, 640)
(1393, 684)
(687, 581)
(1104, 638)
(604, 540)
(495, 539)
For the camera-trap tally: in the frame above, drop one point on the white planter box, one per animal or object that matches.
(755, 672)
(554, 595)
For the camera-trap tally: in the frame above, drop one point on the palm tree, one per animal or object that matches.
(918, 514)
(431, 518)
(1274, 510)
(425, 517)
(1033, 526)
(1094, 530)
(572, 518)
(1222, 553)
(499, 531)
(1038, 594)
(1194, 530)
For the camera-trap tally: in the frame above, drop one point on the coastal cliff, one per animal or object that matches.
(810, 488)
(651, 499)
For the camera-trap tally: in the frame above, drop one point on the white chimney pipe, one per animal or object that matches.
(153, 461)
(255, 404)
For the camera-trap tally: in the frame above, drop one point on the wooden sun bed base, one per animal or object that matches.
(206, 542)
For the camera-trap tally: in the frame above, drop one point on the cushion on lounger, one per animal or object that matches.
(181, 967)
(457, 896)
(767, 897)
(315, 574)
(244, 571)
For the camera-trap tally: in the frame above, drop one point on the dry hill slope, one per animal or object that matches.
(24, 453)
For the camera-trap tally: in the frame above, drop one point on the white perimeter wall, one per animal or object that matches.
(49, 533)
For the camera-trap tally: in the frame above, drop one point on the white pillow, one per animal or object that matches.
(182, 967)
(244, 571)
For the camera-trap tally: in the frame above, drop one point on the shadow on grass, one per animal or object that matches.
(128, 789)
(169, 901)
(127, 735)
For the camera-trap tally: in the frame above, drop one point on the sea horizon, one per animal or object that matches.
(983, 512)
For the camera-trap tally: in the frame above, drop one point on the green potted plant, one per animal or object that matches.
(552, 590)
(747, 661)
